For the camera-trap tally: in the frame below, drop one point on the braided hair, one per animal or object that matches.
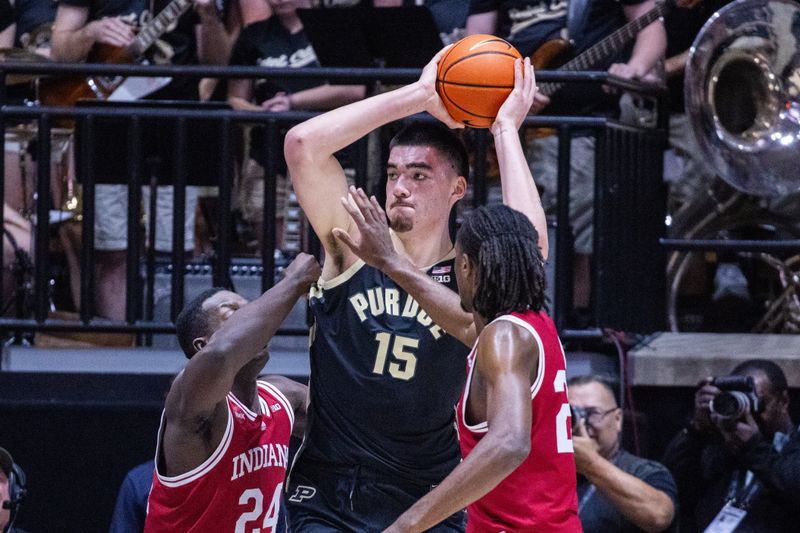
(504, 246)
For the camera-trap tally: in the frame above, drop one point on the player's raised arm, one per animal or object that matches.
(195, 401)
(519, 189)
(318, 178)
(506, 363)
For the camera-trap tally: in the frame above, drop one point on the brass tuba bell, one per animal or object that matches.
(742, 94)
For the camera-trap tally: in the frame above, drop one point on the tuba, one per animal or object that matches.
(742, 91)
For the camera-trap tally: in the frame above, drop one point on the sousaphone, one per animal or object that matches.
(742, 94)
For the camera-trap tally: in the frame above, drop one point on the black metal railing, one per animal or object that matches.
(624, 165)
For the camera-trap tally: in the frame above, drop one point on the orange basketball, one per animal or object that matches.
(475, 77)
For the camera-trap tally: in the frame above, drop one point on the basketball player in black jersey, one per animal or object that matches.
(385, 377)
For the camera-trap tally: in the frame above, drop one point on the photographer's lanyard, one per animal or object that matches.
(737, 502)
(742, 491)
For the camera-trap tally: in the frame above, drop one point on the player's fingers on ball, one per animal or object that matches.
(442, 52)
(530, 78)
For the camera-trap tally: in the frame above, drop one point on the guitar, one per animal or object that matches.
(65, 92)
(553, 52)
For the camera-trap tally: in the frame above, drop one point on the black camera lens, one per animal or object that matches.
(577, 414)
(730, 404)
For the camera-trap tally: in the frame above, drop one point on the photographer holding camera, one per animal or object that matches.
(737, 463)
(617, 491)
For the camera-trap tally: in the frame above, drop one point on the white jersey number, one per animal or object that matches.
(270, 522)
(564, 416)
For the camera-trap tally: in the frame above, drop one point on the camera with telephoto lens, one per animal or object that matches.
(737, 396)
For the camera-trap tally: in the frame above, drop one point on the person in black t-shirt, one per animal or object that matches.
(34, 20)
(618, 492)
(7, 27)
(277, 42)
(200, 35)
(685, 168)
(528, 24)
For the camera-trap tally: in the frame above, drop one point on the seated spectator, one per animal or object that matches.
(131, 507)
(685, 168)
(617, 491)
(34, 20)
(12, 492)
(277, 41)
(7, 26)
(529, 24)
(746, 468)
(199, 36)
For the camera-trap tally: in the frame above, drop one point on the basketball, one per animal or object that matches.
(475, 77)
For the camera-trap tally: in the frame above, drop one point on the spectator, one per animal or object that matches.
(34, 20)
(747, 468)
(131, 507)
(200, 36)
(528, 24)
(450, 16)
(617, 491)
(277, 41)
(7, 26)
(12, 492)
(685, 168)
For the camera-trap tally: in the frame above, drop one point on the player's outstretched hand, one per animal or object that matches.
(519, 102)
(375, 245)
(433, 104)
(305, 270)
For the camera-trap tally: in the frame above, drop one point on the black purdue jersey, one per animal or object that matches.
(384, 378)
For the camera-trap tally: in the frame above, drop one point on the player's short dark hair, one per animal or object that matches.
(504, 246)
(609, 383)
(437, 136)
(192, 321)
(774, 373)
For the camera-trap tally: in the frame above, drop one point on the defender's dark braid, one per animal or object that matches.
(503, 244)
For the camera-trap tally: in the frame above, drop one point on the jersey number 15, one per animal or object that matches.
(405, 362)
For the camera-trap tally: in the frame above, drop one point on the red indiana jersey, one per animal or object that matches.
(239, 487)
(540, 495)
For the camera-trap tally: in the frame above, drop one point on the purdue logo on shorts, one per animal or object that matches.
(303, 492)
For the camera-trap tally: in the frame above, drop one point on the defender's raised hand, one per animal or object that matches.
(375, 244)
(304, 270)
